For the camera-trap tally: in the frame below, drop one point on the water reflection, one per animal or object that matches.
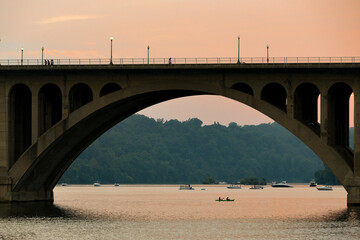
(164, 212)
(166, 203)
(37, 209)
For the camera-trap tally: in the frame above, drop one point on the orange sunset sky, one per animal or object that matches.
(182, 28)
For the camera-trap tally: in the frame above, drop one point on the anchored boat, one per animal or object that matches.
(283, 184)
(325, 188)
(186, 187)
(313, 183)
(224, 200)
(234, 186)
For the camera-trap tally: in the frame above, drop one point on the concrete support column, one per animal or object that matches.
(65, 104)
(290, 106)
(34, 118)
(95, 91)
(324, 118)
(357, 135)
(4, 161)
(5, 181)
(65, 107)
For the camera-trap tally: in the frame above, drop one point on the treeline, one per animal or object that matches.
(325, 176)
(144, 150)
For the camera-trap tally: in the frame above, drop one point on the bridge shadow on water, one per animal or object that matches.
(34, 209)
(347, 215)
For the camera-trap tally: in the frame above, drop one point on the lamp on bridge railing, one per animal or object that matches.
(22, 55)
(238, 61)
(42, 55)
(111, 39)
(148, 48)
(267, 53)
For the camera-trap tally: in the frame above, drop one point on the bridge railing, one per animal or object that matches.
(215, 60)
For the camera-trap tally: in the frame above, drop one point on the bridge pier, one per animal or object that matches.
(6, 195)
(5, 188)
(353, 196)
(41, 196)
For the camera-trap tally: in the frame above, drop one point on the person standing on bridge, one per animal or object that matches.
(169, 60)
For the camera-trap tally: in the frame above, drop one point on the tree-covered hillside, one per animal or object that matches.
(144, 150)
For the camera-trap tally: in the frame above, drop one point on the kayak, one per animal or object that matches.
(230, 200)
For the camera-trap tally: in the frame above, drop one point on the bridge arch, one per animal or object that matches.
(243, 87)
(79, 95)
(68, 138)
(86, 115)
(20, 99)
(275, 94)
(109, 88)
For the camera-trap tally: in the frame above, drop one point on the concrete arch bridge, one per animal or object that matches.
(50, 114)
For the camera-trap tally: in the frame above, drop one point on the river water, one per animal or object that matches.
(165, 212)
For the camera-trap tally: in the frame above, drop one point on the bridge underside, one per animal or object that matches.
(50, 125)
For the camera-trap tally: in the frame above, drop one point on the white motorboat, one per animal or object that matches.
(97, 184)
(186, 187)
(313, 183)
(282, 184)
(325, 188)
(64, 184)
(257, 187)
(234, 186)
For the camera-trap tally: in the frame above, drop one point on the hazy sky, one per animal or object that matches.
(182, 28)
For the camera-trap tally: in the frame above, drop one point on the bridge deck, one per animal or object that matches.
(182, 66)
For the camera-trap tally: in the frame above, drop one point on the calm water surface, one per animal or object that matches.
(164, 212)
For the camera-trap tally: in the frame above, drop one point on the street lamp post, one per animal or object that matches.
(42, 55)
(238, 49)
(267, 53)
(148, 54)
(22, 56)
(111, 39)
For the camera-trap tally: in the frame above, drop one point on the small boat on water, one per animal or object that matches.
(64, 184)
(186, 187)
(116, 184)
(234, 186)
(313, 183)
(257, 187)
(282, 184)
(97, 184)
(225, 200)
(325, 188)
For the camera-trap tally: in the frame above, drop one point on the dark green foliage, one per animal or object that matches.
(253, 181)
(144, 150)
(209, 180)
(326, 177)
